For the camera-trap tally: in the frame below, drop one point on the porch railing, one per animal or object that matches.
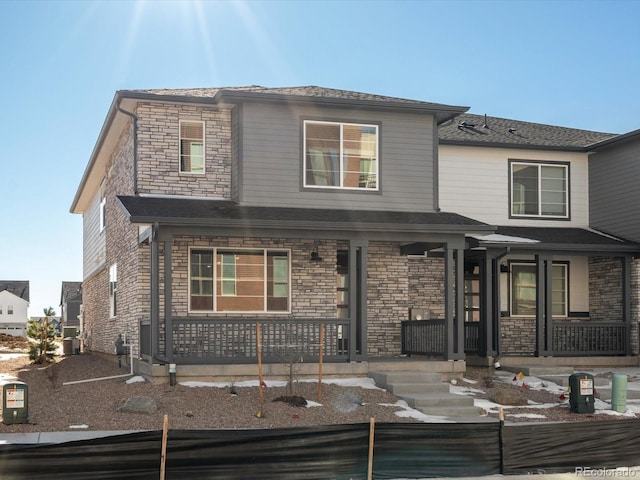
(232, 340)
(589, 338)
(423, 337)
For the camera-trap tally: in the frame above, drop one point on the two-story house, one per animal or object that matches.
(554, 280)
(305, 217)
(14, 303)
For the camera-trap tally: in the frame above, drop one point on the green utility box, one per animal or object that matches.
(581, 393)
(15, 403)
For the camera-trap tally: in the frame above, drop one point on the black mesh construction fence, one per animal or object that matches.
(334, 452)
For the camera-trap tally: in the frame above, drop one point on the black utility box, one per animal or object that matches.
(581, 396)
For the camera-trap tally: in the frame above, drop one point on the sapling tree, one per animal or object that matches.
(42, 334)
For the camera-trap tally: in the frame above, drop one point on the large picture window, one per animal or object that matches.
(341, 155)
(191, 147)
(539, 190)
(523, 290)
(239, 280)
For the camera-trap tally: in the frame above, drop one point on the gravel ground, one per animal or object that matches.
(57, 407)
(94, 405)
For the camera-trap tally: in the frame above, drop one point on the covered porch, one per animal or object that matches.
(543, 293)
(337, 309)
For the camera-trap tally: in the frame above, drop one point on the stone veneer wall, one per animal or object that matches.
(313, 284)
(123, 250)
(387, 298)
(518, 335)
(426, 285)
(158, 151)
(605, 289)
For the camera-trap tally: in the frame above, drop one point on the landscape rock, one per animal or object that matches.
(138, 404)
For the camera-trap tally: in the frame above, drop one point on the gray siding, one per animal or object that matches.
(614, 176)
(272, 163)
(93, 241)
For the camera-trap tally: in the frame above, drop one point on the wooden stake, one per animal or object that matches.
(372, 427)
(501, 414)
(321, 353)
(163, 455)
(260, 382)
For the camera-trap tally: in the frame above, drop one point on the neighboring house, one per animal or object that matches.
(207, 211)
(14, 302)
(558, 277)
(52, 321)
(71, 304)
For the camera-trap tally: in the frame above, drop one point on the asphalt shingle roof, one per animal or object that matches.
(301, 91)
(570, 238)
(470, 129)
(219, 212)
(20, 288)
(70, 290)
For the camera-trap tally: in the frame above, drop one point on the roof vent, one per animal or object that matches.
(466, 124)
(512, 130)
(485, 124)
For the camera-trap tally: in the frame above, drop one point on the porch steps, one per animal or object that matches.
(427, 393)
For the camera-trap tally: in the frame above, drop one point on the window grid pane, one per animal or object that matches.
(191, 147)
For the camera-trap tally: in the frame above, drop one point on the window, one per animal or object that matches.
(9, 309)
(523, 289)
(191, 147)
(341, 155)
(103, 206)
(472, 293)
(113, 289)
(0, 309)
(241, 281)
(539, 190)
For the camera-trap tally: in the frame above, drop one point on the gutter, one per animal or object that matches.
(134, 119)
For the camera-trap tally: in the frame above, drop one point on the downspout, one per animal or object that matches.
(496, 293)
(134, 119)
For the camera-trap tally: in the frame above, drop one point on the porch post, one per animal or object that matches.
(626, 302)
(154, 294)
(488, 322)
(454, 304)
(168, 301)
(543, 305)
(358, 300)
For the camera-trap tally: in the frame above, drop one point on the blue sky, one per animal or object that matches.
(571, 63)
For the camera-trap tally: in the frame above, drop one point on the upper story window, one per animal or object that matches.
(191, 147)
(341, 155)
(239, 280)
(539, 190)
(103, 207)
(9, 309)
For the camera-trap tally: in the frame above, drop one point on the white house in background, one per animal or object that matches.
(14, 301)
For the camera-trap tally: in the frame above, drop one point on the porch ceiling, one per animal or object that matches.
(559, 239)
(201, 212)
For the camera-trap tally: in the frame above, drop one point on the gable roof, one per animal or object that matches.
(221, 213)
(478, 130)
(70, 290)
(20, 288)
